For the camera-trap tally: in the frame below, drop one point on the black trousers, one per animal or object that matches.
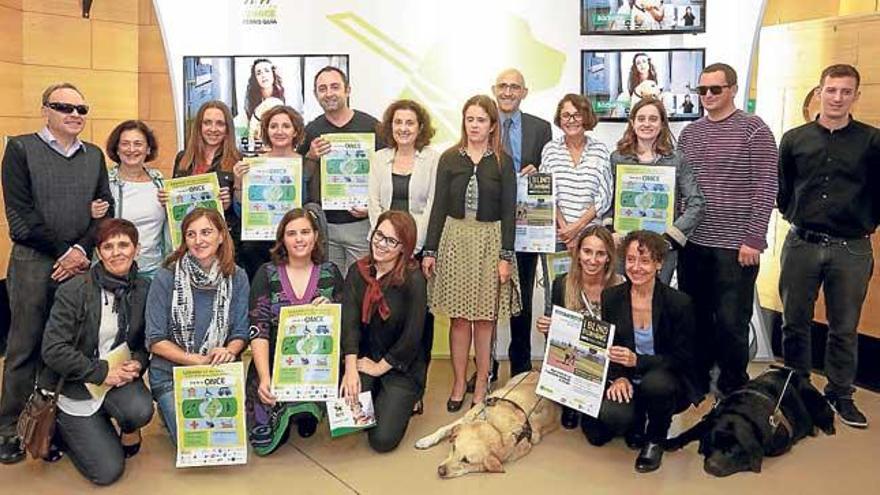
(656, 398)
(723, 293)
(520, 349)
(31, 293)
(92, 442)
(394, 395)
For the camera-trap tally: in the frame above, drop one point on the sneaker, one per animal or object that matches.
(849, 414)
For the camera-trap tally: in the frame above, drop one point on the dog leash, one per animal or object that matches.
(777, 418)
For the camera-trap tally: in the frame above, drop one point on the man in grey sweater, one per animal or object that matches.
(50, 179)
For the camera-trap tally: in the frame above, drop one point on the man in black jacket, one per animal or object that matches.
(523, 137)
(50, 179)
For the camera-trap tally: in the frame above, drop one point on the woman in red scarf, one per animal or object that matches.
(383, 312)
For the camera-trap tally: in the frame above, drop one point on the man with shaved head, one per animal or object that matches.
(523, 137)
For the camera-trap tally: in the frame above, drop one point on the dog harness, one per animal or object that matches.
(777, 418)
(526, 431)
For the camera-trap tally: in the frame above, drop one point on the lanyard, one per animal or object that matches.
(587, 305)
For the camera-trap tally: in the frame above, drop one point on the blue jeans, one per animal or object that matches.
(162, 387)
(843, 269)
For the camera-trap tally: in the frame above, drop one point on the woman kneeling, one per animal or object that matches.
(383, 316)
(651, 375)
(95, 315)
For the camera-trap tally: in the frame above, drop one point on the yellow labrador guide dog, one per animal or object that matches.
(504, 429)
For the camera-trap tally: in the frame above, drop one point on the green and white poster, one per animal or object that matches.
(644, 198)
(345, 170)
(306, 362)
(186, 194)
(209, 404)
(271, 188)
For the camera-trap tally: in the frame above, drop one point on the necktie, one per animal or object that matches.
(505, 136)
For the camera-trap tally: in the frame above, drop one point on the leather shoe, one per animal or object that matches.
(570, 418)
(131, 450)
(472, 381)
(10, 450)
(635, 440)
(306, 426)
(649, 458)
(454, 405)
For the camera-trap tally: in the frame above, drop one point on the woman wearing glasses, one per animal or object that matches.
(383, 316)
(647, 140)
(581, 170)
(469, 255)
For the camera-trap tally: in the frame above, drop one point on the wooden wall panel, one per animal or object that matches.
(785, 73)
(110, 94)
(849, 7)
(114, 46)
(786, 11)
(117, 11)
(10, 89)
(156, 100)
(13, 4)
(41, 44)
(10, 26)
(71, 8)
(166, 135)
(151, 50)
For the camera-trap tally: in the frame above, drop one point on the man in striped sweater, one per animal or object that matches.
(733, 155)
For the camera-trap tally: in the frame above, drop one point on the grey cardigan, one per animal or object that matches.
(690, 205)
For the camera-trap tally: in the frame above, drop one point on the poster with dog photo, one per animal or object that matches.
(535, 214)
(345, 418)
(576, 361)
(306, 361)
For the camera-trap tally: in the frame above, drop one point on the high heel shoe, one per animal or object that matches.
(454, 405)
(133, 449)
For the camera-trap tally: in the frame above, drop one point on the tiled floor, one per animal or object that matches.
(563, 463)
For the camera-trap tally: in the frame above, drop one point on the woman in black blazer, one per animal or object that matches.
(651, 376)
(93, 317)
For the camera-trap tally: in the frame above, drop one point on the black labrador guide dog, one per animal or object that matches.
(765, 417)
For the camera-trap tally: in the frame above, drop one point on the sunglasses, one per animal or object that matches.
(67, 108)
(715, 90)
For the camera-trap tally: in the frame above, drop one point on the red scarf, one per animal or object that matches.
(373, 297)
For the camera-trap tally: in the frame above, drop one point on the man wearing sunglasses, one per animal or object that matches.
(828, 188)
(50, 179)
(733, 155)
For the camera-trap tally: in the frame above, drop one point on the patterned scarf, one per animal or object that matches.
(189, 275)
(121, 288)
(373, 297)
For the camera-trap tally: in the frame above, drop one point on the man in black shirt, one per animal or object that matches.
(829, 178)
(347, 230)
(50, 179)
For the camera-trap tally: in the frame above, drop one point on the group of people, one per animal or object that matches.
(437, 237)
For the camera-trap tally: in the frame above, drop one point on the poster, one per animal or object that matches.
(557, 264)
(345, 418)
(345, 170)
(114, 358)
(535, 214)
(576, 361)
(644, 198)
(271, 188)
(306, 362)
(188, 193)
(209, 403)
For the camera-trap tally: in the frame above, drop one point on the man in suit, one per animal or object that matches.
(523, 137)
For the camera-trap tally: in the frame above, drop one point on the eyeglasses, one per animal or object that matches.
(379, 238)
(568, 117)
(715, 90)
(503, 87)
(67, 108)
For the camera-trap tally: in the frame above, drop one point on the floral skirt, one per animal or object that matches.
(465, 282)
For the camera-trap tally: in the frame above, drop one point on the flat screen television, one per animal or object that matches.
(615, 80)
(252, 84)
(643, 16)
